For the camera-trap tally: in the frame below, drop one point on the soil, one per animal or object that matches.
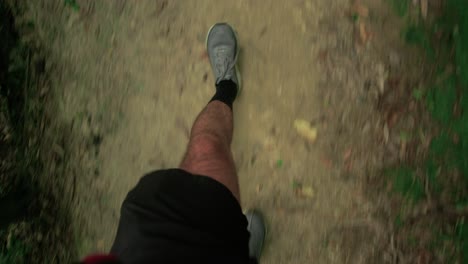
(131, 78)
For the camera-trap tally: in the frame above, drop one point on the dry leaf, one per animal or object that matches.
(423, 8)
(360, 9)
(326, 162)
(364, 34)
(258, 188)
(363, 11)
(382, 76)
(100, 244)
(307, 191)
(347, 154)
(305, 130)
(386, 133)
(348, 166)
(393, 118)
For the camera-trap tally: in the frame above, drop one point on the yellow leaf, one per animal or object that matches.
(305, 130)
(307, 191)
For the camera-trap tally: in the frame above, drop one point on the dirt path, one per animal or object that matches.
(136, 75)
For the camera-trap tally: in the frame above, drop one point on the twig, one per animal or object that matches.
(393, 249)
(440, 210)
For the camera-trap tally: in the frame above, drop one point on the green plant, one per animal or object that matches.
(73, 4)
(445, 42)
(418, 94)
(441, 99)
(416, 34)
(400, 6)
(405, 183)
(16, 253)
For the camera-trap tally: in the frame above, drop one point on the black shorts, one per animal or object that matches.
(172, 216)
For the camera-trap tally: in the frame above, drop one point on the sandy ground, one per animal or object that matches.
(135, 75)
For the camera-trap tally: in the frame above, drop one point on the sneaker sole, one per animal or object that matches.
(239, 78)
(264, 225)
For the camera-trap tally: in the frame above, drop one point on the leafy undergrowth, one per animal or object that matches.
(33, 224)
(431, 222)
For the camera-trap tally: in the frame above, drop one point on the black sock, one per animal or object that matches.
(226, 92)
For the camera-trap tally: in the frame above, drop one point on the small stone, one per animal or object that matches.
(394, 59)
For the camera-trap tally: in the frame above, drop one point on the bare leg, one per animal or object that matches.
(209, 150)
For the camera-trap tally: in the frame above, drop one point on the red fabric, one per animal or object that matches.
(99, 258)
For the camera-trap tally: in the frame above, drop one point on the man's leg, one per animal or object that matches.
(209, 149)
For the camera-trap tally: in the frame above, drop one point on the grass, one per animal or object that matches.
(445, 169)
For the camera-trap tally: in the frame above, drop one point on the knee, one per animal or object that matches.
(206, 144)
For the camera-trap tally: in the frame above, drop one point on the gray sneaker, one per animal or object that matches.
(222, 47)
(257, 229)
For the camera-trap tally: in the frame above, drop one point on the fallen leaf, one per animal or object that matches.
(392, 119)
(364, 34)
(302, 191)
(326, 162)
(360, 9)
(100, 244)
(322, 55)
(258, 188)
(347, 154)
(424, 257)
(307, 191)
(348, 166)
(305, 130)
(382, 76)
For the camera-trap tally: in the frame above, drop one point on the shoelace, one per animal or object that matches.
(222, 65)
